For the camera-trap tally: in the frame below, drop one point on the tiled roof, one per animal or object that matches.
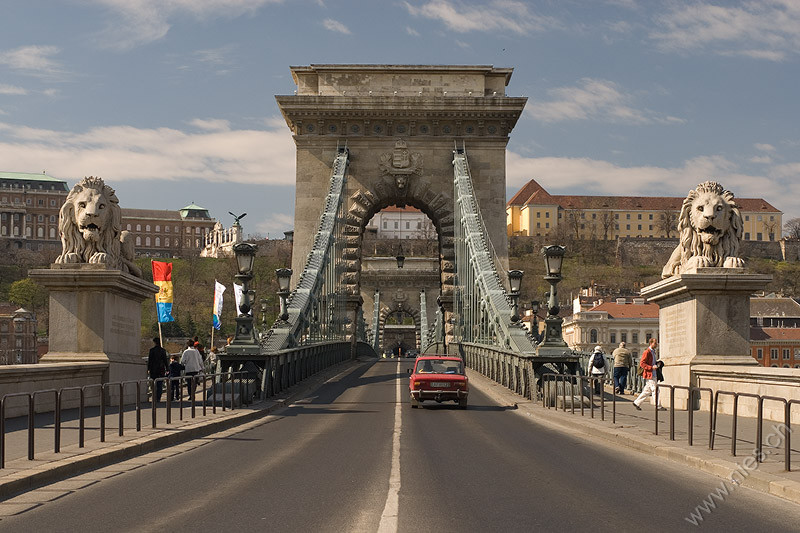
(165, 214)
(774, 307)
(533, 193)
(395, 209)
(29, 176)
(616, 310)
(775, 334)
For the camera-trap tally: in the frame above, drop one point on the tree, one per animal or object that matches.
(27, 293)
(791, 229)
(668, 222)
(607, 223)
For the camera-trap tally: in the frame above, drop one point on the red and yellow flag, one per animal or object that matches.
(162, 276)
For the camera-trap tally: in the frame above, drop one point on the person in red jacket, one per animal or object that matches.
(649, 364)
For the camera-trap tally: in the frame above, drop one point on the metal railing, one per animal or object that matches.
(219, 382)
(572, 389)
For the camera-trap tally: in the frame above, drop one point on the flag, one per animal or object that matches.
(162, 276)
(238, 291)
(219, 288)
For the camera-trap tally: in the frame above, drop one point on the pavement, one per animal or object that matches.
(636, 430)
(632, 429)
(21, 475)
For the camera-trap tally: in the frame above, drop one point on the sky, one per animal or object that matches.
(172, 101)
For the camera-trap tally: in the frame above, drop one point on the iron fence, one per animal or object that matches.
(220, 383)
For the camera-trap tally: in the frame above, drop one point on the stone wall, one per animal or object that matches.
(49, 376)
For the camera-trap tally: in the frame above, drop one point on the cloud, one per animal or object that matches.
(134, 23)
(275, 224)
(761, 160)
(497, 15)
(764, 147)
(127, 153)
(12, 90)
(563, 175)
(34, 60)
(335, 26)
(592, 99)
(411, 31)
(759, 29)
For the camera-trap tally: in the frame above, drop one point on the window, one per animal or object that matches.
(188, 231)
(28, 201)
(538, 224)
(547, 214)
(177, 230)
(639, 216)
(166, 229)
(52, 203)
(594, 215)
(419, 225)
(616, 226)
(40, 232)
(760, 353)
(627, 226)
(628, 216)
(639, 227)
(147, 227)
(758, 236)
(52, 233)
(158, 241)
(747, 217)
(166, 242)
(53, 219)
(771, 217)
(40, 202)
(651, 216)
(407, 225)
(785, 353)
(635, 337)
(138, 227)
(623, 337)
(395, 224)
(138, 241)
(613, 337)
(40, 218)
(758, 218)
(773, 353)
(747, 236)
(538, 214)
(593, 336)
(651, 227)
(647, 337)
(28, 218)
(158, 229)
(384, 224)
(128, 227)
(546, 224)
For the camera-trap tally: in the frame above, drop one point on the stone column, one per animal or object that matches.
(96, 315)
(704, 318)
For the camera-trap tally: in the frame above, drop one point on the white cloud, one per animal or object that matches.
(411, 31)
(592, 99)
(761, 160)
(759, 29)
(35, 60)
(562, 175)
(764, 147)
(275, 224)
(128, 153)
(12, 90)
(497, 15)
(335, 26)
(211, 124)
(136, 22)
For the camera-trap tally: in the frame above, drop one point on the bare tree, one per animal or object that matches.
(574, 221)
(769, 228)
(607, 223)
(791, 229)
(667, 222)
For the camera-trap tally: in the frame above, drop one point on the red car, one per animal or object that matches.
(440, 378)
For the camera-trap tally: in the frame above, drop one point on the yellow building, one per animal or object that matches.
(533, 211)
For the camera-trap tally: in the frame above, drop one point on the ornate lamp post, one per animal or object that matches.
(535, 320)
(401, 259)
(553, 257)
(284, 278)
(515, 282)
(245, 257)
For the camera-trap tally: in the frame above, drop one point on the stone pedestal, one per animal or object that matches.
(704, 319)
(96, 316)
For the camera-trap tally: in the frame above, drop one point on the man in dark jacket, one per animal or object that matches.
(157, 362)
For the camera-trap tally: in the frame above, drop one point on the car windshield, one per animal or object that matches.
(439, 366)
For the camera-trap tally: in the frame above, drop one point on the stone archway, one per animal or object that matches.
(386, 312)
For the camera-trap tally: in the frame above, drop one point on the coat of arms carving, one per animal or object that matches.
(401, 163)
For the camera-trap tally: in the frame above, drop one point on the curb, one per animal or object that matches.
(18, 482)
(723, 468)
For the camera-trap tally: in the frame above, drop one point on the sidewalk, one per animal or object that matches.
(636, 429)
(21, 474)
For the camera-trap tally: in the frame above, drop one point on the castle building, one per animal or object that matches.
(29, 208)
(534, 211)
(17, 336)
(775, 331)
(166, 233)
(608, 323)
(402, 223)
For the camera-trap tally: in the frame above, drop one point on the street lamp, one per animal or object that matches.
(284, 278)
(401, 259)
(245, 257)
(515, 282)
(553, 259)
(535, 319)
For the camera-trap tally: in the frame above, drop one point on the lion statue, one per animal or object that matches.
(709, 229)
(90, 224)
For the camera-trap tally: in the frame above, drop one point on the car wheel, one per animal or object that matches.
(462, 403)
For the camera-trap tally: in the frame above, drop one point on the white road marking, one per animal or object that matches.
(390, 510)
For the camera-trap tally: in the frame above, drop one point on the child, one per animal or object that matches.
(175, 370)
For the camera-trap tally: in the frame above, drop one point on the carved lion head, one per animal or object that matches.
(90, 224)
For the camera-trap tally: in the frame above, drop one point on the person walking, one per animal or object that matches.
(649, 363)
(623, 361)
(157, 363)
(193, 363)
(597, 368)
(175, 372)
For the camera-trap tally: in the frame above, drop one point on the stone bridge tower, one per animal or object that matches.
(400, 124)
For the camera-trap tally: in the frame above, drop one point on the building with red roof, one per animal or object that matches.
(534, 211)
(607, 323)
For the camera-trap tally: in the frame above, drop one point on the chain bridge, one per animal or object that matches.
(431, 137)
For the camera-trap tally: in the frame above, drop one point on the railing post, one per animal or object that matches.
(759, 429)
(154, 399)
(138, 406)
(672, 413)
(690, 415)
(57, 423)
(733, 429)
(82, 419)
(121, 409)
(103, 413)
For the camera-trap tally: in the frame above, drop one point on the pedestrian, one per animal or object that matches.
(175, 371)
(649, 364)
(157, 363)
(597, 368)
(623, 361)
(211, 360)
(193, 364)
